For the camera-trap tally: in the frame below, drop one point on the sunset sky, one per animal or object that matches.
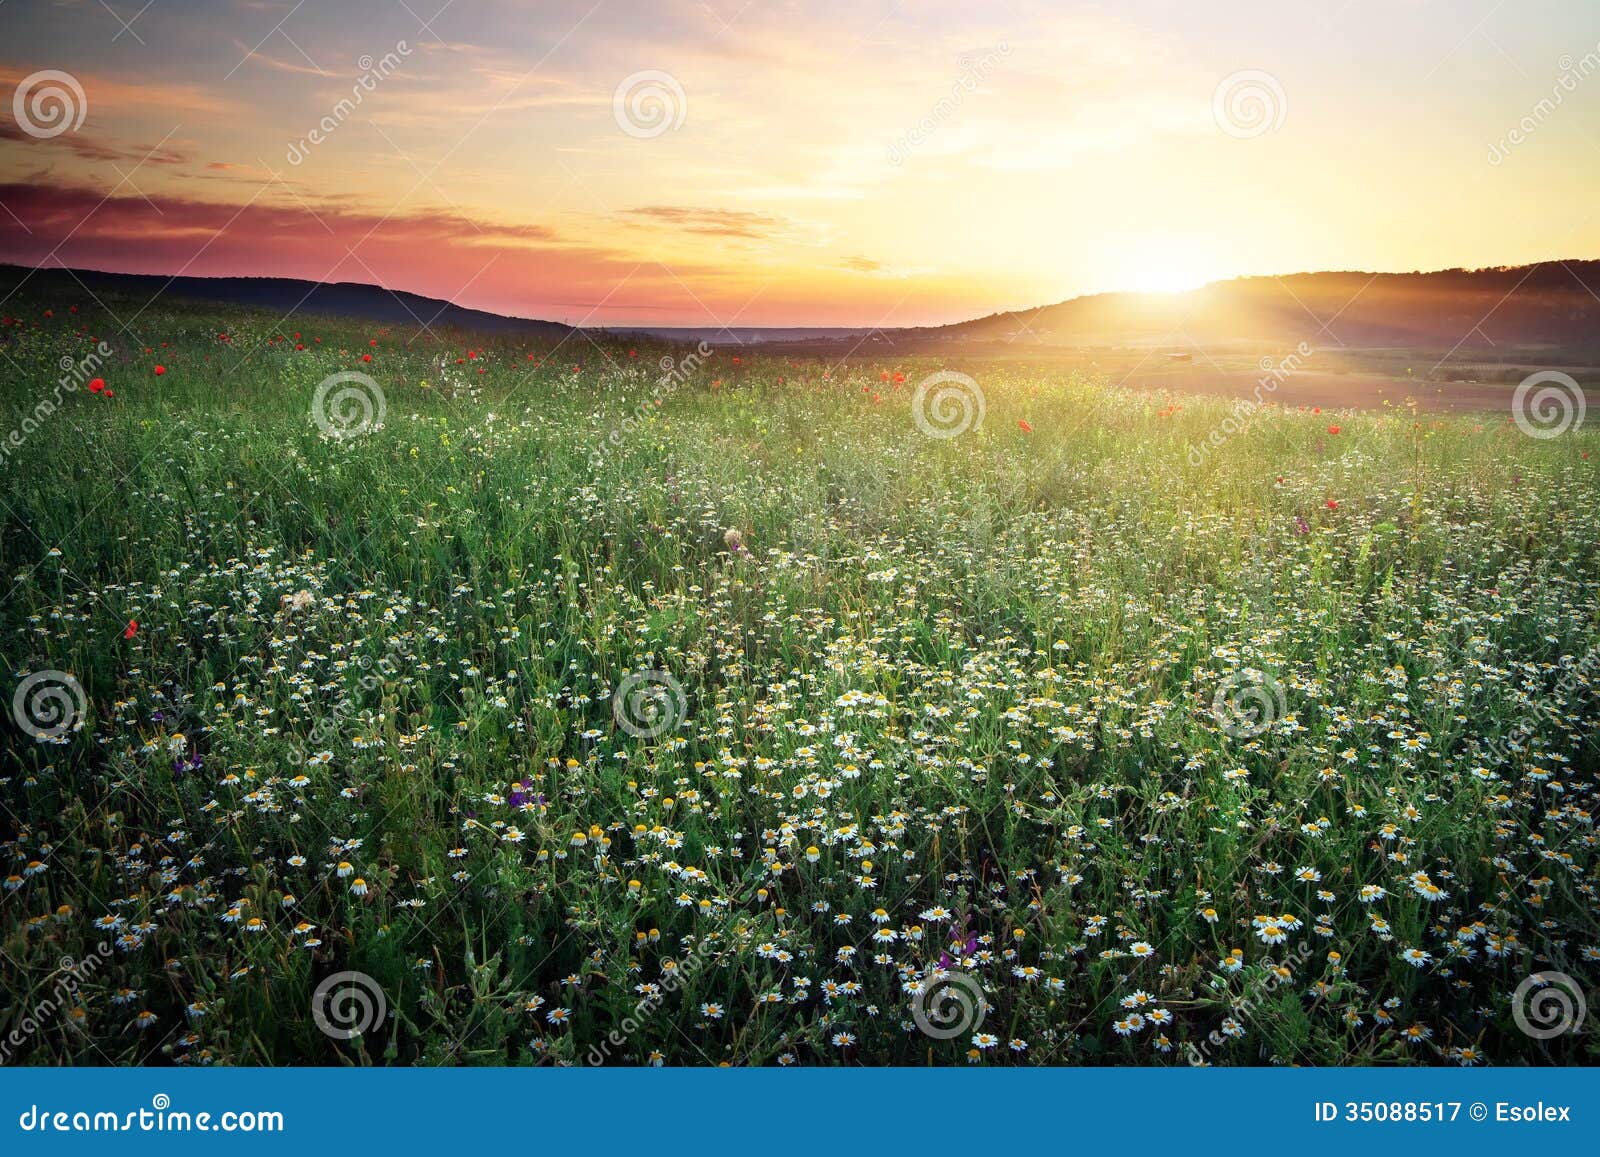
(849, 164)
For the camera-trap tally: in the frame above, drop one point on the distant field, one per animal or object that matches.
(380, 700)
(1360, 391)
(1432, 380)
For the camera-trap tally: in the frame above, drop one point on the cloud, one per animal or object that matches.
(91, 147)
(509, 267)
(112, 95)
(714, 222)
(167, 224)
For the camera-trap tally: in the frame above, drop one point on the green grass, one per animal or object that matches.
(986, 665)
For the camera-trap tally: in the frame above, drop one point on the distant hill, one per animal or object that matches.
(282, 295)
(1552, 304)
(746, 334)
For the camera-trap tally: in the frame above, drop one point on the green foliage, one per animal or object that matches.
(979, 676)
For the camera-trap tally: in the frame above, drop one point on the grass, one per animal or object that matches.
(1102, 737)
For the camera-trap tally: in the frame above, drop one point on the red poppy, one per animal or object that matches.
(133, 629)
(96, 385)
(1333, 504)
(160, 370)
(1333, 429)
(366, 357)
(1022, 424)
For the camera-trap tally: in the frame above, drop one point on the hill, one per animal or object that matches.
(1554, 304)
(288, 297)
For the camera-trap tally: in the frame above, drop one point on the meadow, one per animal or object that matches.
(613, 702)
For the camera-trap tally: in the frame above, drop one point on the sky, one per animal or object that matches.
(749, 163)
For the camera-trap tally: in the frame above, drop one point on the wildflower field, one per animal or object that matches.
(448, 700)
